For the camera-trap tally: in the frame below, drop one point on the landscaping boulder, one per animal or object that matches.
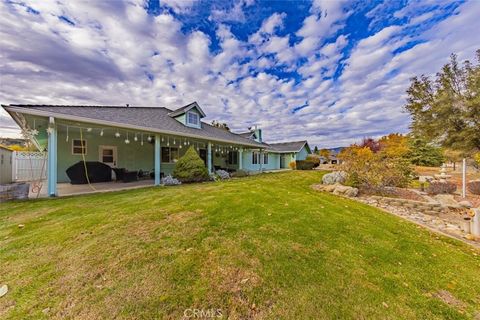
(345, 191)
(334, 177)
(465, 204)
(447, 200)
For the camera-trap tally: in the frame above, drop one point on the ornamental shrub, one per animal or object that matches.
(437, 187)
(293, 165)
(191, 168)
(374, 170)
(314, 159)
(474, 187)
(304, 165)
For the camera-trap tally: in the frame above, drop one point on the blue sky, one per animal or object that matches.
(331, 72)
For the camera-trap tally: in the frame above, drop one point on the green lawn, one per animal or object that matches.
(259, 247)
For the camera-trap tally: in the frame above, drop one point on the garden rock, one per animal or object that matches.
(334, 177)
(446, 200)
(345, 191)
(465, 204)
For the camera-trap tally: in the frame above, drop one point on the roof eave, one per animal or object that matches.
(10, 109)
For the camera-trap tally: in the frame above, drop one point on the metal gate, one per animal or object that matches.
(29, 165)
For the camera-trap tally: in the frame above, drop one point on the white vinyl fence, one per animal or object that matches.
(29, 165)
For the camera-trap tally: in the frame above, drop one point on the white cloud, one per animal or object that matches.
(108, 58)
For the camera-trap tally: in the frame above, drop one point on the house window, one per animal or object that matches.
(169, 155)
(79, 147)
(232, 157)
(255, 157)
(265, 158)
(192, 118)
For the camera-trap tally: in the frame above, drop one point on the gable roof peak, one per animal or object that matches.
(186, 108)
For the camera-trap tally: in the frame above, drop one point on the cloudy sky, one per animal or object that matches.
(328, 71)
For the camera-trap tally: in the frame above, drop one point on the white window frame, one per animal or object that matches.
(197, 117)
(84, 147)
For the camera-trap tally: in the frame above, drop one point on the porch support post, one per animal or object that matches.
(209, 157)
(52, 158)
(240, 159)
(261, 160)
(157, 159)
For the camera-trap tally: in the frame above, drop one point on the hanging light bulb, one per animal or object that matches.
(67, 135)
(89, 129)
(180, 146)
(163, 139)
(141, 143)
(101, 133)
(135, 138)
(168, 142)
(185, 142)
(34, 132)
(149, 139)
(127, 141)
(117, 134)
(174, 141)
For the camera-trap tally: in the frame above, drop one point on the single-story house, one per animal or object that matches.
(5, 165)
(144, 138)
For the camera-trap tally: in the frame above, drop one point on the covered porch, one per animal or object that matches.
(147, 155)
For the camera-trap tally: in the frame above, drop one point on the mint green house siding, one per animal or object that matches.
(273, 161)
(132, 156)
(302, 155)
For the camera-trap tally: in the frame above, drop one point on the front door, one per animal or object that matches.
(108, 155)
(282, 161)
(203, 155)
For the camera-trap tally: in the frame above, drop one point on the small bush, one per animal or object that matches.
(437, 187)
(170, 181)
(239, 174)
(474, 187)
(222, 174)
(293, 165)
(190, 168)
(304, 165)
(313, 159)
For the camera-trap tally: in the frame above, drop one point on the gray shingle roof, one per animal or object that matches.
(149, 119)
(294, 146)
(184, 109)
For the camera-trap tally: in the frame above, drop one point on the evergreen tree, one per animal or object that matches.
(447, 110)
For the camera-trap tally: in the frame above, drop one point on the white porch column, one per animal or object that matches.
(240, 159)
(209, 157)
(52, 158)
(157, 159)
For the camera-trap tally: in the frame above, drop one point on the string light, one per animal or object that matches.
(127, 141)
(149, 138)
(101, 133)
(34, 132)
(135, 138)
(117, 134)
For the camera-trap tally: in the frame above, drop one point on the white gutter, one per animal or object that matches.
(115, 124)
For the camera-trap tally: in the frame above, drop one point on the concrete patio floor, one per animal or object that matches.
(67, 189)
